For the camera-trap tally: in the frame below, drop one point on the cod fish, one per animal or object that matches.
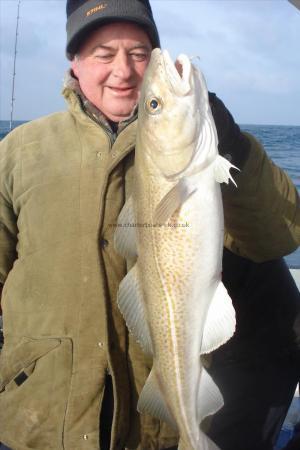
(173, 299)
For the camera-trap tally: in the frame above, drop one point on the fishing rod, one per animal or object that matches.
(14, 70)
(295, 3)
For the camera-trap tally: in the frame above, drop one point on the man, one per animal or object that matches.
(70, 373)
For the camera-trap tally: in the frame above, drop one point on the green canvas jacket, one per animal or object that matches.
(63, 183)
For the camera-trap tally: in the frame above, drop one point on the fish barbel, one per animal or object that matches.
(173, 299)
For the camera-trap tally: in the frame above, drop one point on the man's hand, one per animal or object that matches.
(233, 144)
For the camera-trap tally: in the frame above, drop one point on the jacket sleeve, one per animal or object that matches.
(8, 219)
(262, 215)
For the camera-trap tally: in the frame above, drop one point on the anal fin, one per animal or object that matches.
(151, 401)
(131, 304)
(125, 239)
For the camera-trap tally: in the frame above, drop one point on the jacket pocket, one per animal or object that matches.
(23, 358)
(35, 379)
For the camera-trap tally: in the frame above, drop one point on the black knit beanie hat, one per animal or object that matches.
(83, 16)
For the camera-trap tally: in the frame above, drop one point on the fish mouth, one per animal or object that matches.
(178, 73)
(173, 85)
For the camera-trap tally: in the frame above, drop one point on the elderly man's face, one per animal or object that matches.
(110, 67)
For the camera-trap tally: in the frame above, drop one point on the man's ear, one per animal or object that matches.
(74, 66)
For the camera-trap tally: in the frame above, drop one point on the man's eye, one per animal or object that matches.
(106, 57)
(139, 56)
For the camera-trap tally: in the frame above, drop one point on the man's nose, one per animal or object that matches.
(122, 66)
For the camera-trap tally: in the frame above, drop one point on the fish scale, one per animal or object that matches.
(173, 299)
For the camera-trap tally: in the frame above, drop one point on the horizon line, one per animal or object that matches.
(240, 124)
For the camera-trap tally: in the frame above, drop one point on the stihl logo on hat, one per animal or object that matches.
(96, 9)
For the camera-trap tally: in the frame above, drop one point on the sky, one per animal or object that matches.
(248, 51)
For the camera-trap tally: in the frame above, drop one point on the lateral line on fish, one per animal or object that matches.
(172, 322)
(174, 342)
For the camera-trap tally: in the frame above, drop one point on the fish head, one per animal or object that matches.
(171, 109)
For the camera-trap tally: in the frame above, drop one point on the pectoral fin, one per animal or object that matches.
(222, 170)
(151, 401)
(130, 302)
(220, 321)
(174, 199)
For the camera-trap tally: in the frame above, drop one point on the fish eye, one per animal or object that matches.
(153, 105)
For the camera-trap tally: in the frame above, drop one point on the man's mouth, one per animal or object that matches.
(122, 91)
